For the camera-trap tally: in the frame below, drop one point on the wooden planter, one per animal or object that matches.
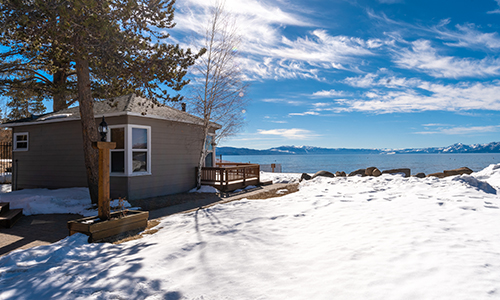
(117, 224)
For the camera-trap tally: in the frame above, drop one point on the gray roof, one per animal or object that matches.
(123, 105)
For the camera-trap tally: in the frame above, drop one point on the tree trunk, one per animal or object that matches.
(89, 128)
(59, 98)
(202, 156)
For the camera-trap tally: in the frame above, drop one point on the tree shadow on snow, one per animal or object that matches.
(77, 270)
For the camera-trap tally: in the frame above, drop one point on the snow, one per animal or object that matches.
(59, 201)
(386, 237)
(204, 189)
(5, 178)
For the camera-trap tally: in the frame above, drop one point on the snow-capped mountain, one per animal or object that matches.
(493, 147)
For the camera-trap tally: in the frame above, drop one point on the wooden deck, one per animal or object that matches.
(229, 176)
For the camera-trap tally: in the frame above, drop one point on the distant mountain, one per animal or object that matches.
(493, 147)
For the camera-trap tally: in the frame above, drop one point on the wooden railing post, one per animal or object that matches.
(245, 175)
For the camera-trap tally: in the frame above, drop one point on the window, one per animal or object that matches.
(118, 154)
(209, 147)
(21, 141)
(132, 155)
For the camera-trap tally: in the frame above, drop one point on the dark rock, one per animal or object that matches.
(420, 175)
(376, 172)
(438, 175)
(369, 171)
(340, 174)
(319, 173)
(459, 171)
(305, 176)
(404, 171)
(358, 172)
(323, 174)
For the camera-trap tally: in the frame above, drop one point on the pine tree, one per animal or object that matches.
(114, 47)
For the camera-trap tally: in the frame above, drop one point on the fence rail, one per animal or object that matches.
(5, 162)
(230, 176)
(273, 168)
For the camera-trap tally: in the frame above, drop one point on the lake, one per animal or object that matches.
(427, 163)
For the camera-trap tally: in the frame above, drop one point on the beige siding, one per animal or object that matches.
(55, 158)
(175, 149)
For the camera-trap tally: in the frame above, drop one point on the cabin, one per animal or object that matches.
(157, 148)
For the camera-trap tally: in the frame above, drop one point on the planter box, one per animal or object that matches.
(98, 230)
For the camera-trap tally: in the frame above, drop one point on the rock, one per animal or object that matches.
(319, 173)
(305, 176)
(376, 172)
(340, 174)
(323, 174)
(358, 172)
(459, 171)
(405, 171)
(369, 171)
(420, 175)
(438, 175)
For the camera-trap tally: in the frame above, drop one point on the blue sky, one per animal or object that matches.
(364, 73)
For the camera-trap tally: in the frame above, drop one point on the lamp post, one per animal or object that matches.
(103, 129)
(103, 185)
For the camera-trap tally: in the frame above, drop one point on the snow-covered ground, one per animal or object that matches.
(337, 238)
(59, 201)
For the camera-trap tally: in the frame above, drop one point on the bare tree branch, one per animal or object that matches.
(219, 93)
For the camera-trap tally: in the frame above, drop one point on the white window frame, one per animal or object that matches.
(128, 171)
(16, 141)
(210, 152)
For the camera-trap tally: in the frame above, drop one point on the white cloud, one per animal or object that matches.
(496, 11)
(426, 59)
(429, 97)
(293, 133)
(307, 113)
(463, 130)
(372, 80)
(330, 93)
(287, 101)
(267, 53)
(468, 36)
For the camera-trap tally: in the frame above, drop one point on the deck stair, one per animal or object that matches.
(9, 216)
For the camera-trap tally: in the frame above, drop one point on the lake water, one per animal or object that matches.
(427, 163)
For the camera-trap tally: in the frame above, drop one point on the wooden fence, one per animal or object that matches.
(5, 158)
(230, 176)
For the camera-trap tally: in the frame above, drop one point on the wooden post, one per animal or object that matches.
(103, 185)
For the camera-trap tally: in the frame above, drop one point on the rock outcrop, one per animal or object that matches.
(358, 172)
(372, 171)
(405, 171)
(438, 175)
(319, 173)
(459, 171)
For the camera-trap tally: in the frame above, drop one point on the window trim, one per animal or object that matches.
(210, 152)
(15, 141)
(128, 171)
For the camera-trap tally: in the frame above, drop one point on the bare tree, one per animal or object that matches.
(219, 93)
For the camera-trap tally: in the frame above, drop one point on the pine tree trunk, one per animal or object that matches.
(59, 99)
(89, 128)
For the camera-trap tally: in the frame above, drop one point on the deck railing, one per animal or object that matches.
(230, 176)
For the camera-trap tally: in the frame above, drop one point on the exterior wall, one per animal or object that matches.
(175, 149)
(55, 158)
